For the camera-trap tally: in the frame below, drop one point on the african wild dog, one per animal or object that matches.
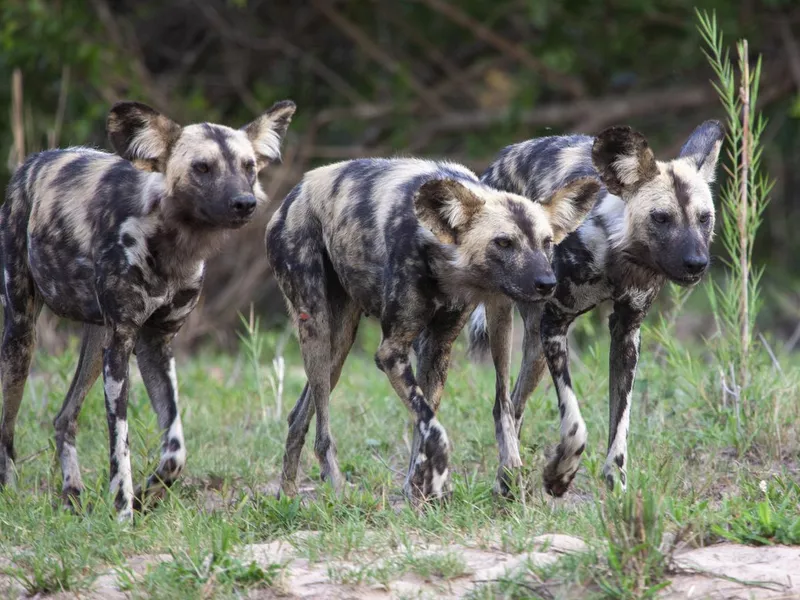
(653, 222)
(417, 244)
(123, 251)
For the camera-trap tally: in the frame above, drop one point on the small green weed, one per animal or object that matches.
(775, 519)
(185, 577)
(633, 527)
(432, 567)
(195, 571)
(48, 569)
(630, 560)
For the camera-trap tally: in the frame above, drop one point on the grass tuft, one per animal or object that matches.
(767, 515)
(637, 554)
(48, 568)
(206, 570)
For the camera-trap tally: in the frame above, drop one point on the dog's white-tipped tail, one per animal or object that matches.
(478, 335)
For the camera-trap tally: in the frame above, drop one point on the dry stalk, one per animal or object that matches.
(55, 133)
(17, 120)
(744, 254)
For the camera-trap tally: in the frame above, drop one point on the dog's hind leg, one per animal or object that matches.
(344, 316)
(19, 338)
(327, 322)
(21, 307)
(90, 364)
(533, 360)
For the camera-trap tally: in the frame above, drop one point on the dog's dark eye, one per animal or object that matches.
(503, 242)
(548, 244)
(248, 165)
(703, 218)
(660, 217)
(201, 167)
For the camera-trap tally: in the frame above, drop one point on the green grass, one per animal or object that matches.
(700, 469)
(207, 563)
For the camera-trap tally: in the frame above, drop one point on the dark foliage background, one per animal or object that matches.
(455, 78)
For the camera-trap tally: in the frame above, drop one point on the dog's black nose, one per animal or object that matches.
(695, 264)
(545, 284)
(243, 204)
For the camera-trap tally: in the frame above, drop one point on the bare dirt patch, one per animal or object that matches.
(734, 572)
(723, 571)
(304, 579)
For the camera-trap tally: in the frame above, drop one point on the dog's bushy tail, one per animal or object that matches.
(15, 213)
(478, 347)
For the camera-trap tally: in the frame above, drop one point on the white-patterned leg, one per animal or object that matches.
(624, 325)
(428, 468)
(122, 481)
(115, 384)
(157, 365)
(173, 453)
(90, 365)
(500, 326)
(562, 468)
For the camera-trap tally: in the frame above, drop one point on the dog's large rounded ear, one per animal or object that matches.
(446, 206)
(623, 159)
(268, 130)
(141, 134)
(568, 206)
(703, 147)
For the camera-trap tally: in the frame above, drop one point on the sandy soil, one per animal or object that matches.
(724, 571)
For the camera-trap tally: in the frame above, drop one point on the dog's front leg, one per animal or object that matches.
(157, 366)
(561, 469)
(624, 325)
(428, 472)
(116, 356)
(499, 316)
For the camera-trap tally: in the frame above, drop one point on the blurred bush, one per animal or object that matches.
(379, 77)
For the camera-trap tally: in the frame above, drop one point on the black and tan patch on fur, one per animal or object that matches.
(431, 207)
(126, 119)
(616, 142)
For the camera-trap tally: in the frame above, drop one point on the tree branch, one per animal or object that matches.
(277, 43)
(137, 61)
(612, 108)
(375, 52)
(566, 83)
(792, 51)
(455, 75)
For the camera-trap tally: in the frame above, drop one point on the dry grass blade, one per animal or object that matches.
(18, 121)
(55, 134)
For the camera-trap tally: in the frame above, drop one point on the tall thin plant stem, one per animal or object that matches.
(744, 254)
(18, 122)
(743, 196)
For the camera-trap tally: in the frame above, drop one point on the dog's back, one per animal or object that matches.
(539, 167)
(59, 206)
(73, 192)
(355, 214)
(368, 195)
